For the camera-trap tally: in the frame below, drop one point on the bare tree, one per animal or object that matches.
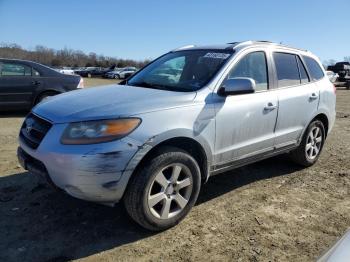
(64, 57)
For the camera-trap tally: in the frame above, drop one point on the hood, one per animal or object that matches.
(111, 101)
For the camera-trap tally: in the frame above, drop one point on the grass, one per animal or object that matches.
(90, 82)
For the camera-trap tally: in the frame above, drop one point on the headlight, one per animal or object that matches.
(92, 132)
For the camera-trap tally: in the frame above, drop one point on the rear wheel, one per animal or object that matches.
(311, 145)
(164, 190)
(45, 96)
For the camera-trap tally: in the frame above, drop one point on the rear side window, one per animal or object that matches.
(252, 66)
(316, 73)
(287, 69)
(11, 69)
(303, 75)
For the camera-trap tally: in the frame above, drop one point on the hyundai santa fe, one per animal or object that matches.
(194, 112)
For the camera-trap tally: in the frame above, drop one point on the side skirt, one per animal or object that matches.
(214, 170)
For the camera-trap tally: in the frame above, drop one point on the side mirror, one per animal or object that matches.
(237, 86)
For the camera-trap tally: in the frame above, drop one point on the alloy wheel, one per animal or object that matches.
(313, 143)
(170, 191)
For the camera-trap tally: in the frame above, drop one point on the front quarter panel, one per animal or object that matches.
(195, 121)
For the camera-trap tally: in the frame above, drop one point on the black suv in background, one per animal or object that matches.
(24, 83)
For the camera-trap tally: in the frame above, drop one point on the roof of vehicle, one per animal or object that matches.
(240, 45)
(43, 69)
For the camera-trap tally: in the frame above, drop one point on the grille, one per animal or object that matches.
(34, 130)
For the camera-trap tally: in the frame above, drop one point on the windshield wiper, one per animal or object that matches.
(150, 85)
(161, 87)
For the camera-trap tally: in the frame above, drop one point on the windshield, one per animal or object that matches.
(184, 71)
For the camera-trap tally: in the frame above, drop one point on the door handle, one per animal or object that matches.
(34, 82)
(270, 106)
(313, 96)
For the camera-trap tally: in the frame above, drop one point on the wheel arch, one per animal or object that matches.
(147, 150)
(319, 116)
(190, 145)
(324, 119)
(46, 91)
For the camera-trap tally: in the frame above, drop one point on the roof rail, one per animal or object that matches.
(237, 44)
(183, 47)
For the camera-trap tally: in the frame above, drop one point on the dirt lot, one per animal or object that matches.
(269, 211)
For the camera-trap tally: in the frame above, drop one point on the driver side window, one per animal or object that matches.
(253, 66)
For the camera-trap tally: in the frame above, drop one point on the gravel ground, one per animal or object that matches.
(269, 211)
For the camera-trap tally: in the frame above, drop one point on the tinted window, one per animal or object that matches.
(287, 69)
(253, 66)
(315, 70)
(11, 69)
(303, 75)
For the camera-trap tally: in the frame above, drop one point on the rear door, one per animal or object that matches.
(298, 98)
(16, 85)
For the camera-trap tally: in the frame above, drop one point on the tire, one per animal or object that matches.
(154, 187)
(310, 148)
(44, 96)
(116, 77)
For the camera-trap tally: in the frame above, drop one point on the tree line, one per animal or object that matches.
(65, 57)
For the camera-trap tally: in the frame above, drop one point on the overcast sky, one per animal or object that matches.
(146, 29)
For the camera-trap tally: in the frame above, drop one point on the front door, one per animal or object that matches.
(16, 85)
(245, 123)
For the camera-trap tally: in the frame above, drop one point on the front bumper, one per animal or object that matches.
(89, 172)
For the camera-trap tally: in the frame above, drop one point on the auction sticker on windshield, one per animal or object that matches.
(217, 55)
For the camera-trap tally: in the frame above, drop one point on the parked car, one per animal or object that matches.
(23, 84)
(125, 73)
(153, 141)
(113, 74)
(94, 71)
(90, 72)
(78, 69)
(332, 76)
(65, 70)
(342, 69)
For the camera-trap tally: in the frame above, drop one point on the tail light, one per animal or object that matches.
(81, 83)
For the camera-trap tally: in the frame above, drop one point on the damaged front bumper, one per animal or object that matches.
(97, 172)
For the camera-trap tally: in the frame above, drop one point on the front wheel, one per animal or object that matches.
(162, 192)
(311, 145)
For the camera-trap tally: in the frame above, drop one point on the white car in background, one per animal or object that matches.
(65, 70)
(332, 76)
(126, 72)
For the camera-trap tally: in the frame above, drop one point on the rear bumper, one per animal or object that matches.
(89, 172)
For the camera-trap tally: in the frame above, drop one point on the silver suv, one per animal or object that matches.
(190, 114)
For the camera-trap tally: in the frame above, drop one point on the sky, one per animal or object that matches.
(147, 29)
